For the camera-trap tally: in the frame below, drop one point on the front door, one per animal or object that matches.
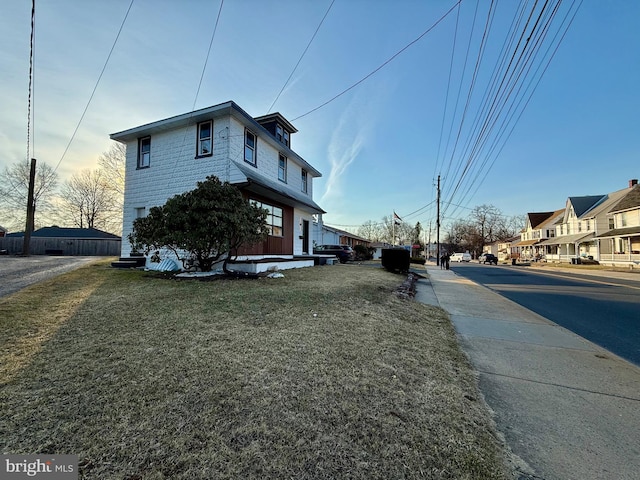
(305, 236)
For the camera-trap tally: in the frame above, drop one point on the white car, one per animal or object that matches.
(461, 257)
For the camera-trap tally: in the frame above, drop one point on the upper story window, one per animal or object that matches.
(144, 152)
(551, 233)
(250, 141)
(612, 224)
(588, 225)
(623, 219)
(205, 139)
(305, 185)
(286, 138)
(282, 168)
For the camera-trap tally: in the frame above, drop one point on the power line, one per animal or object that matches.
(301, 57)
(393, 57)
(206, 60)
(104, 67)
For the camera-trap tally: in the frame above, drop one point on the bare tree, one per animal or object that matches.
(370, 230)
(14, 189)
(88, 201)
(112, 163)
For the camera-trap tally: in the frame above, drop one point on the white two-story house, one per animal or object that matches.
(583, 219)
(540, 227)
(620, 245)
(169, 156)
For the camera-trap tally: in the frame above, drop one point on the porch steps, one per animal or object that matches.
(130, 262)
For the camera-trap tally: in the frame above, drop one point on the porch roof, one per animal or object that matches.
(621, 232)
(567, 239)
(262, 185)
(525, 243)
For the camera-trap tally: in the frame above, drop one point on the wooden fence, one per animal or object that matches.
(63, 246)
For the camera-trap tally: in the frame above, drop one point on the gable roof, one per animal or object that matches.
(629, 201)
(63, 232)
(606, 203)
(584, 204)
(537, 218)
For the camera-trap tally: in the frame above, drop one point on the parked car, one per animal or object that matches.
(344, 252)
(461, 257)
(488, 258)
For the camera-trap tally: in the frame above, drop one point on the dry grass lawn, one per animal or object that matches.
(323, 374)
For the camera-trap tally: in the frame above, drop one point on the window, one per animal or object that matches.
(305, 187)
(282, 168)
(205, 137)
(588, 225)
(552, 233)
(141, 212)
(579, 226)
(249, 147)
(611, 223)
(282, 135)
(623, 219)
(144, 152)
(274, 217)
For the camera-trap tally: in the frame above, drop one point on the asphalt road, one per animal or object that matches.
(19, 272)
(605, 311)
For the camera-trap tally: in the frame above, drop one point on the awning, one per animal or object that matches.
(569, 239)
(268, 188)
(525, 243)
(621, 232)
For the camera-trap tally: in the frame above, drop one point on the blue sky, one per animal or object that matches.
(380, 145)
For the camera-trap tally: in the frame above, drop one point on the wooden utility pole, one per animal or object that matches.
(438, 225)
(30, 210)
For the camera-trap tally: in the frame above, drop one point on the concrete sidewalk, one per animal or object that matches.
(567, 408)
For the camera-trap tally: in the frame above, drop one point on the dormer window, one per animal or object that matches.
(282, 135)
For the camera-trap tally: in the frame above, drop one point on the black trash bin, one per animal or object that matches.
(513, 261)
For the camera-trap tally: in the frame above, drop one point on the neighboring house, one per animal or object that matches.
(3, 231)
(378, 247)
(576, 229)
(491, 248)
(540, 227)
(169, 156)
(327, 235)
(620, 245)
(508, 248)
(64, 241)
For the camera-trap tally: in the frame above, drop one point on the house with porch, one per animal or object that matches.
(169, 156)
(582, 220)
(540, 227)
(620, 245)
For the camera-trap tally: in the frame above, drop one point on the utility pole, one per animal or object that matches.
(30, 210)
(438, 225)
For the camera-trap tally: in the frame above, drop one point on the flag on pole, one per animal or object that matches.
(396, 219)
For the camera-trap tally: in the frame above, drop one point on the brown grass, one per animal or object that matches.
(321, 374)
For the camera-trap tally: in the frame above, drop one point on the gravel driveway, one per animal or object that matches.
(19, 272)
